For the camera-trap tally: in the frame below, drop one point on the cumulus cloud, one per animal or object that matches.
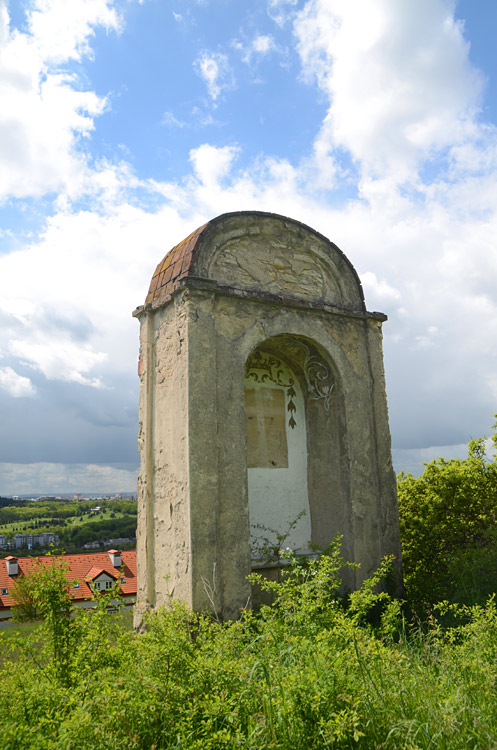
(61, 31)
(216, 72)
(424, 265)
(398, 78)
(45, 113)
(80, 281)
(16, 385)
(211, 163)
(58, 359)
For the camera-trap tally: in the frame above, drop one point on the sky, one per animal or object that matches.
(126, 124)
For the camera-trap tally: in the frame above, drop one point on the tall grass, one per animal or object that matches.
(310, 671)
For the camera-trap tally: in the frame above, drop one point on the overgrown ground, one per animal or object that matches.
(309, 671)
(313, 670)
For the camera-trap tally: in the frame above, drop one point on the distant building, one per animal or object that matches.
(106, 542)
(86, 574)
(29, 541)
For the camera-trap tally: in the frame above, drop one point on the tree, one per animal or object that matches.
(448, 528)
(25, 608)
(44, 594)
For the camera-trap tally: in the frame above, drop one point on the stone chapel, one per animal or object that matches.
(262, 412)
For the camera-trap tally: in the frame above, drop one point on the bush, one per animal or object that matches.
(309, 672)
(448, 528)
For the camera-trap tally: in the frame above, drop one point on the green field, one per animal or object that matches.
(47, 525)
(73, 522)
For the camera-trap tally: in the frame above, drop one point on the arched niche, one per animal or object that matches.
(276, 455)
(295, 432)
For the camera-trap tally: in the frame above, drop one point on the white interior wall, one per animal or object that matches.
(278, 495)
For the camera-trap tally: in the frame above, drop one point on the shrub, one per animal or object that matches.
(448, 528)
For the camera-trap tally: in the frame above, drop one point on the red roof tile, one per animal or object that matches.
(80, 567)
(94, 573)
(174, 266)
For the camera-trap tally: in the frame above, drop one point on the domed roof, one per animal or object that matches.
(259, 252)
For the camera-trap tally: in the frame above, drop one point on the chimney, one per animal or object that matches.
(12, 565)
(115, 558)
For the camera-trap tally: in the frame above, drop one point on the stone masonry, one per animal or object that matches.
(255, 341)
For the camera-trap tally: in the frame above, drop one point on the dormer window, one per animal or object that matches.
(5, 592)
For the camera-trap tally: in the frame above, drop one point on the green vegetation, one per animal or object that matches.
(448, 522)
(310, 671)
(313, 670)
(75, 522)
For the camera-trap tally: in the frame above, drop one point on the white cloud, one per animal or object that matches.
(378, 290)
(58, 359)
(211, 164)
(427, 265)
(281, 10)
(172, 121)
(259, 47)
(215, 71)
(80, 282)
(263, 44)
(61, 30)
(43, 114)
(16, 385)
(183, 20)
(398, 78)
(56, 478)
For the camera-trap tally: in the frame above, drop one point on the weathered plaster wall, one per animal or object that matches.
(163, 533)
(194, 521)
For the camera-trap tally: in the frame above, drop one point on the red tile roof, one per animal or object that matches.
(83, 568)
(95, 572)
(175, 265)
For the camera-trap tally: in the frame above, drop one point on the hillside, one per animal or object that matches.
(76, 523)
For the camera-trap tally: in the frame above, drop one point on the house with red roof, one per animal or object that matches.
(85, 573)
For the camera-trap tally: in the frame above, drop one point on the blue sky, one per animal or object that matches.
(124, 125)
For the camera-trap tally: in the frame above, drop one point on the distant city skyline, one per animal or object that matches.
(71, 495)
(126, 124)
